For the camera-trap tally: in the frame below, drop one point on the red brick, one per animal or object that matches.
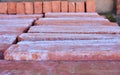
(80, 7)
(3, 9)
(11, 7)
(47, 6)
(38, 7)
(29, 7)
(90, 6)
(64, 6)
(65, 50)
(75, 29)
(59, 36)
(71, 6)
(55, 6)
(20, 8)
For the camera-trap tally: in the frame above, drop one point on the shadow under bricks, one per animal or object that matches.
(118, 19)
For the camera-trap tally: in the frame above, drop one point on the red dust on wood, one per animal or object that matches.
(67, 20)
(12, 29)
(71, 14)
(60, 67)
(64, 36)
(75, 29)
(10, 17)
(65, 50)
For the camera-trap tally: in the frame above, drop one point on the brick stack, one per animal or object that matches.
(118, 7)
(46, 6)
(68, 36)
(61, 43)
(11, 26)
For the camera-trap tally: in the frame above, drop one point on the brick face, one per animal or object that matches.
(80, 7)
(47, 6)
(55, 6)
(71, 6)
(11, 7)
(37, 7)
(3, 8)
(64, 6)
(20, 8)
(90, 6)
(29, 7)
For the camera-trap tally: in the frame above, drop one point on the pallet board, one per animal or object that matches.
(65, 50)
(62, 37)
(76, 29)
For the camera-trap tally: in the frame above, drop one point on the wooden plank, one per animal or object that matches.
(76, 29)
(65, 50)
(64, 36)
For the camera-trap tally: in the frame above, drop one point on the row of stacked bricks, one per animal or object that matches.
(11, 26)
(34, 45)
(68, 37)
(118, 6)
(46, 6)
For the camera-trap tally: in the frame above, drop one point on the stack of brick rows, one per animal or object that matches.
(68, 36)
(61, 43)
(46, 6)
(118, 6)
(11, 26)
